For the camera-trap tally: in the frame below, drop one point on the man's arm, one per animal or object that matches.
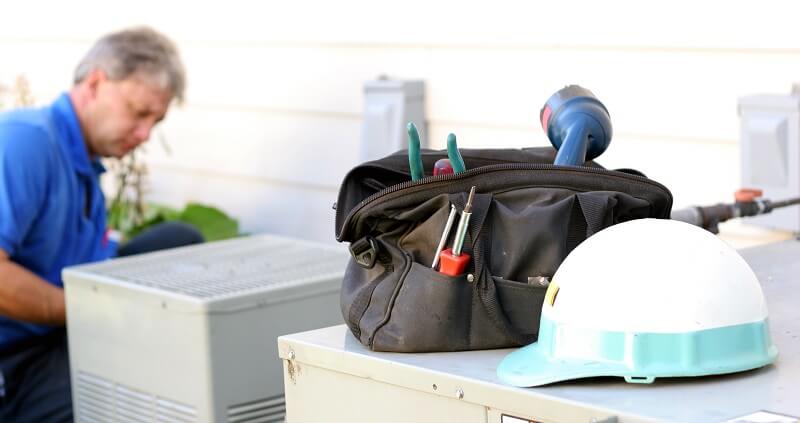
(25, 160)
(27, 297)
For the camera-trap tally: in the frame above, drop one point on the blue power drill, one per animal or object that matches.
(577, 124)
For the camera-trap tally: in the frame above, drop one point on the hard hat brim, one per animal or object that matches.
(530, 366)
(701, 353)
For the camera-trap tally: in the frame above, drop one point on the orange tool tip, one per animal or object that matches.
(452, 265)
(746, 195)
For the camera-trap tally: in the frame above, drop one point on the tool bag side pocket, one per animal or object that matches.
(368, 290)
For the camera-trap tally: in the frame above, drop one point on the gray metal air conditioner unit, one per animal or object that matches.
(189, 334)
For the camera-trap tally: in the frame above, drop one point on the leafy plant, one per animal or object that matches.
(210, 221)
(129, 214)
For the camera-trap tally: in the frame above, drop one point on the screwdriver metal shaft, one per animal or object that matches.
(461, 231)
(450, 219)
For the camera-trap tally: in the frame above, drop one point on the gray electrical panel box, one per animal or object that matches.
(189, 334)
(389, 104)
(770, 148)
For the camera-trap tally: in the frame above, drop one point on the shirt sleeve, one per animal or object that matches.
(23, 182)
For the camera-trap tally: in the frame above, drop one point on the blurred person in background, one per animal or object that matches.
(53, 213)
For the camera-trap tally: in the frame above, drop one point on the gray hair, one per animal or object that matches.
(136, 50)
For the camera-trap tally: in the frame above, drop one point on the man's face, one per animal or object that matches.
(123, 113)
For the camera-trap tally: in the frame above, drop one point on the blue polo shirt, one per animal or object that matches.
(52, 211)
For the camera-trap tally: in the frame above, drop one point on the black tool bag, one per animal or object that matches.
(527, 216)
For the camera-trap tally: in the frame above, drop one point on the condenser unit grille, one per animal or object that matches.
(267, 410)
(222, 269)
(101, 400)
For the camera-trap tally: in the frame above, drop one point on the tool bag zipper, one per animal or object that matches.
(452, 183)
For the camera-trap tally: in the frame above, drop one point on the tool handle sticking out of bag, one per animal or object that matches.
(453, 261)
(414, 157)
(453, 164)
(443, 167)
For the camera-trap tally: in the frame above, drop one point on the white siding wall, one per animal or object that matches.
(274, 105)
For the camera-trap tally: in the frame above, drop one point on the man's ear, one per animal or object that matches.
(93, 81)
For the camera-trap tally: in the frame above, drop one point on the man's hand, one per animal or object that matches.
(27, 297)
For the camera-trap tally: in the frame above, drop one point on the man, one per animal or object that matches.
(52, 211)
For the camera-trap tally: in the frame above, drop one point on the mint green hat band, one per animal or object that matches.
(720, 350)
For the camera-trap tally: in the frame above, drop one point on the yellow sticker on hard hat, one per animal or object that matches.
(550, 295)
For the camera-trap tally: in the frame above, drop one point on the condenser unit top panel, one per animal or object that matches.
(470, 376)
(257, 268)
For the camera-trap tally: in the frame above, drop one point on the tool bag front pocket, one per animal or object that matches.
(430, 313)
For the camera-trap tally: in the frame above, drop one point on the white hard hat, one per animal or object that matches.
(644, 299)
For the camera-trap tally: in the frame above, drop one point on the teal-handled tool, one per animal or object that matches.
(454, 155)
(414, 157)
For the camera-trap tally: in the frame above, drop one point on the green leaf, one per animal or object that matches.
(154, 211)
(210, 221)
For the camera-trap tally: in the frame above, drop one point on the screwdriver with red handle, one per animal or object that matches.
(453, 261)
